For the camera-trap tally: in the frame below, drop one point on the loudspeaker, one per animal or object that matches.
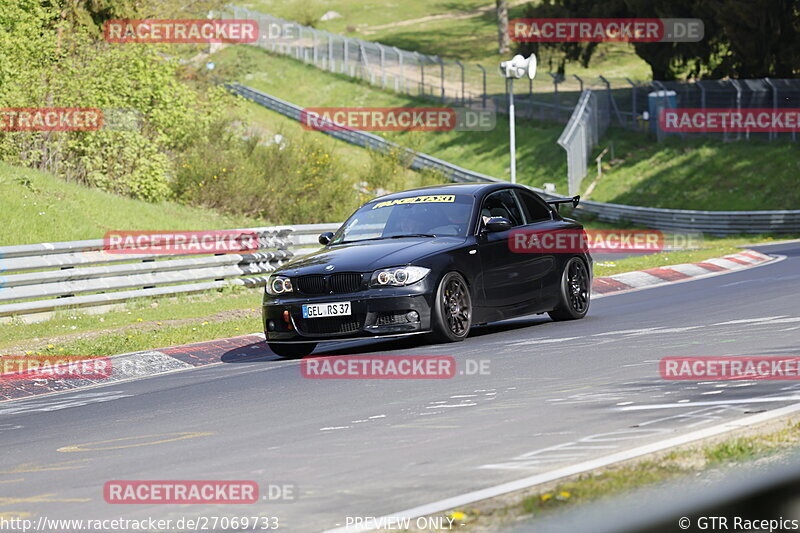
(518, 67)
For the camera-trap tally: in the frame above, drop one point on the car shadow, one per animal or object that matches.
(260, 352)
(249, 353)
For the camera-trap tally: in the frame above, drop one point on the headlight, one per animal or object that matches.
(398, 276)
(278, 285)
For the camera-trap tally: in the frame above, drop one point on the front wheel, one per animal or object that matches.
(574, 293)
(452, 310)
(292, 350)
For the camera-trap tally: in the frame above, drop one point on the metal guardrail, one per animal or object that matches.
(712, 222)
(39, 278)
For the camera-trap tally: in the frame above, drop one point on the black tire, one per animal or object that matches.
(574, 292)
(451, 316)
(292, 351)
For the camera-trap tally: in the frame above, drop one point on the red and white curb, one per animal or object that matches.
(651, 277)
(137, 365)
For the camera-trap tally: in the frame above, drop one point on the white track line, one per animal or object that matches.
(578, 468)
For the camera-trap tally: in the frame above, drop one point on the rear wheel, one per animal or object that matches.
(452, 310)
(574, 293)
(292, 351)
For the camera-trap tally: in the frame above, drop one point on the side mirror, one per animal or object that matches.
(326, 238)
(496, 224)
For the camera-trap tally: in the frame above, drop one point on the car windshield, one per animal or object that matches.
(431, 215)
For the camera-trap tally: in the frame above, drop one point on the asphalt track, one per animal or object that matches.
(555, 394)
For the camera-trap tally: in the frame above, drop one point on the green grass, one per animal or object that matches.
(691, 460)
(472, 39)
(687, 173)
(39, 207)
(700, 174)
(141, 324)
(539, 158)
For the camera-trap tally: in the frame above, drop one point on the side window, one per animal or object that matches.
(502, 204)
(535, 209)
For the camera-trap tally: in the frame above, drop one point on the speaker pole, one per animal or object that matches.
(512, 130)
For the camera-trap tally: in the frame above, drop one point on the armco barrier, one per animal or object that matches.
(712, 222)
(39, 278)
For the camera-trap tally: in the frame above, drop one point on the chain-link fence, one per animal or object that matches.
(632, 104)
(583, 131)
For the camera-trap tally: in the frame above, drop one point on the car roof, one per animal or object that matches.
(472, 189)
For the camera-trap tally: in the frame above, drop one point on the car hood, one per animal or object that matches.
(367, 256)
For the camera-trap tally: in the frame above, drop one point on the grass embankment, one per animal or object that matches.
(38, 207)
(726, 452)
(466, 31)
(705, 174)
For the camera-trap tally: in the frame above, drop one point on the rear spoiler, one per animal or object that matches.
(575, 200)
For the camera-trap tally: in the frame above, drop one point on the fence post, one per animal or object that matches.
(441, 73)
(330, 53)
(611, 101)
(739, 106)
(383, 65)
(346, 59)
(402, 75)
(314, 57)
(461, 66)
(555, 95)
(773, 134)
(421, 73)
(633, 101)
(483, 97)
(579, 81)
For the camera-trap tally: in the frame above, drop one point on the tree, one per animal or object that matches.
(502, 26)
(742, 38)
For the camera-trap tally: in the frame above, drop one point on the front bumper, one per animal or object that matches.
(374, 313)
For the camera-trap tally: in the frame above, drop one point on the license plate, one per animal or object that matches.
(323, 310)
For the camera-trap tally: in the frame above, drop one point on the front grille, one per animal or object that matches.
(335, 283)
(387, 319)
(345, 282)
(311, 284)
(328, 325)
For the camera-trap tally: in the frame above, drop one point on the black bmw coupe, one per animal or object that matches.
(435, 260)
